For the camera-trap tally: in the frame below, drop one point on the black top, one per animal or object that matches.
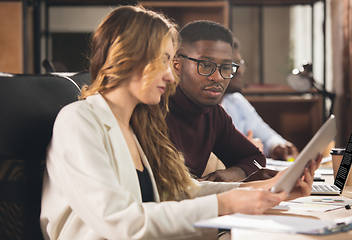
(146, 186)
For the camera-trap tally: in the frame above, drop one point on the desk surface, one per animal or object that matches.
(239, 234)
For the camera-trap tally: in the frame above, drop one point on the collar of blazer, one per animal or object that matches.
(102, 109)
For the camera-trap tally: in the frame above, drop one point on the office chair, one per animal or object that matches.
(29, 105)
(80, 78)
(51, 66)
(48, 66)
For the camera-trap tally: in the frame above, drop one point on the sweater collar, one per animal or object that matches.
(186, 105)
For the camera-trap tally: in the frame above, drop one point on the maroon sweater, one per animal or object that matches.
(197, 131)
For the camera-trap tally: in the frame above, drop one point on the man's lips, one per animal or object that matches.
(214, 89)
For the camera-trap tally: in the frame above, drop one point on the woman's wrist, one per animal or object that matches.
(263, 184)
(222, 202)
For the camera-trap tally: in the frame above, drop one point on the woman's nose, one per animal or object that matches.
(168, 76)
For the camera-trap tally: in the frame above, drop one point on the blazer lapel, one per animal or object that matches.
(147, 166)
(126, 171)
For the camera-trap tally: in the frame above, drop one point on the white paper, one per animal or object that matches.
(272, 162)
(308, 206)
(267, 223)
(324, 200)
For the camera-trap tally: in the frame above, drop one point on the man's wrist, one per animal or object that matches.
(239, 173)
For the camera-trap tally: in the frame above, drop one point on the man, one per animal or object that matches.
(247, 120)
(198, 125)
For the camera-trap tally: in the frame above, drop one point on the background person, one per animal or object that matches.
(247, 120)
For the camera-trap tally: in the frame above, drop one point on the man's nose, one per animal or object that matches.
(216, 76)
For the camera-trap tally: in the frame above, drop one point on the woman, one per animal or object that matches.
(112, 173)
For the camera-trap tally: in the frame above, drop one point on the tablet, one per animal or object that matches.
(315, 146)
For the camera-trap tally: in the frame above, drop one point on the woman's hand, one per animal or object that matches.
(304, 184)
(256, 198)
(302, 187)
(248, 201)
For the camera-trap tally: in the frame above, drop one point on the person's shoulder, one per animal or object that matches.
(72, 113)
(239, 96)
(234, 97)
(239, 99)
(75, 108)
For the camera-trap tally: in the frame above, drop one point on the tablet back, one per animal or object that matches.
(315, 146)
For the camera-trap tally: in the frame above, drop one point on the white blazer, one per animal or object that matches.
(91, 188)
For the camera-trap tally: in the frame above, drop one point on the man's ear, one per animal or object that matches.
(177, 64)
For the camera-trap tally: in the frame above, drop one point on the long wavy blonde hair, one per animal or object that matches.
(128, 37)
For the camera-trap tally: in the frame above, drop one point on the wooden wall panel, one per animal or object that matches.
(345, 113)
(11, 37)
(184, 12)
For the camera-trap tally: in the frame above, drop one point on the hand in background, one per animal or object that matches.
(284, 151)
(256, 141)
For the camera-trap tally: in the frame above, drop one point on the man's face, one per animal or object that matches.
(236, 82)
(203, 90)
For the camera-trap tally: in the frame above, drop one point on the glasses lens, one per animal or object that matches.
(206, 68)
(228, 70)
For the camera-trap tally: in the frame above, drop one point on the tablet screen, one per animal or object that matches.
(315, 146)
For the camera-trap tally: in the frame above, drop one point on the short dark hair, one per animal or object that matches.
(206, 30)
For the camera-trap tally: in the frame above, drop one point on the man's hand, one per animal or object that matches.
(261, 174)
(256, 141)
(232, 174)
(284, 151)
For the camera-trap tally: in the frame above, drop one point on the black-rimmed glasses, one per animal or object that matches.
(207, 68)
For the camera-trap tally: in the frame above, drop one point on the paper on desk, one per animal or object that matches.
(314, 204)
(306, 206)
(272, 162)
(324, 200)
(271, 223)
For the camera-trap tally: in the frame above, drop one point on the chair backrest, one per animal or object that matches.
(80, 78)
(29, 105)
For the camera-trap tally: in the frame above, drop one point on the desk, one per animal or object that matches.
(239, 234)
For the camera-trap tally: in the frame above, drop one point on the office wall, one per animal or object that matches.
(11, 37)
(71, 20)
(279, 47)
(287, 40)
(276, 41)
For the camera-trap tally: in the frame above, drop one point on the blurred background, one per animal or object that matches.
(277, 36)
